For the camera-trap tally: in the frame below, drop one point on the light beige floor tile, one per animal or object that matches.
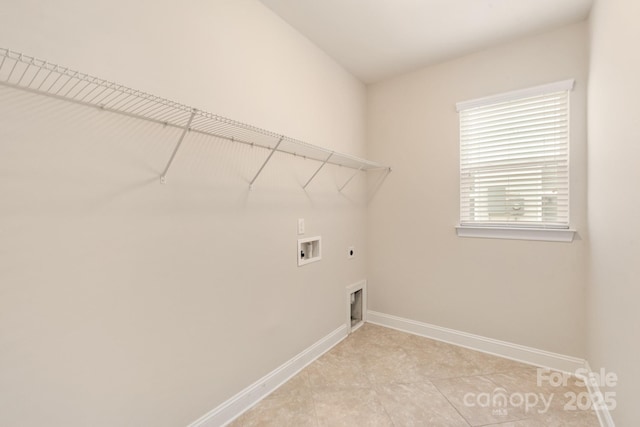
(347, 348)
(523, 383)
(418, 404)
(380, 377)
(533, 381)
(288, 411)
(371, 329)
(443, 361)
(490, 364)
(385, 345)
(384, 358)
(568, 418)
(479, 400)
(524, 380)
(396, 367)
(556, 419)
(236, 423)
(519, 423)
(350, 408)
(337, 371)
(299, 385)
(373, 338)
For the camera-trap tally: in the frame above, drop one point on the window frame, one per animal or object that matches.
(515, 231)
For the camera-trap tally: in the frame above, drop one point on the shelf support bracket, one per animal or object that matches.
(163, 177)
(273, 150)
(350, 178)
(317, 170)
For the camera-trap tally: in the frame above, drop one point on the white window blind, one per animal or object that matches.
(514, 159)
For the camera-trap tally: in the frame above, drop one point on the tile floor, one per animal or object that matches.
(381, 377)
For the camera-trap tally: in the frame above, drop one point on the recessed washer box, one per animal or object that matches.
(309, 250)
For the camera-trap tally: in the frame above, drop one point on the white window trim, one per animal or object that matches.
(540, 234)
(506, 232)
(516, 94)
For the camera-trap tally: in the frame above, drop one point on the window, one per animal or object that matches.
(514, 160)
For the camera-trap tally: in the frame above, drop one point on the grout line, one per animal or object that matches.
(384, 407)
(451, 404)
(353, 354)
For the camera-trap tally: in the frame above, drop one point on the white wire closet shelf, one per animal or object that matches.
(34, 75)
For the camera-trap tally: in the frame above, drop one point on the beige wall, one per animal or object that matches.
(124, 302)
(525, 292)
(614, 209)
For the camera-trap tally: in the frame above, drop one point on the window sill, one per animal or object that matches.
(541, 234)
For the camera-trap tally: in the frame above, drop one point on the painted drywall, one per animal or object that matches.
(614, 137)
(524, 292)
(124, 302)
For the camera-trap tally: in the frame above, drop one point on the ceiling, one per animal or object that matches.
(375, 39)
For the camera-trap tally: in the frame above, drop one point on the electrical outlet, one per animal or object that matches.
(300, 225)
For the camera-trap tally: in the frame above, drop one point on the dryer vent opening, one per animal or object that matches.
(356, 305)
(355, 301)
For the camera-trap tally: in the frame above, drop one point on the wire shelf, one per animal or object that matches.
(30, 74)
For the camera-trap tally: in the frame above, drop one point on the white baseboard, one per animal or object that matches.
(504, 349)
(604, 416)
(244, 400)
(241, 402)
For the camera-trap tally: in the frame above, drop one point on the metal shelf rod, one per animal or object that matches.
(350, 178)
(175, 150)
(317, 170)
(265, 162)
